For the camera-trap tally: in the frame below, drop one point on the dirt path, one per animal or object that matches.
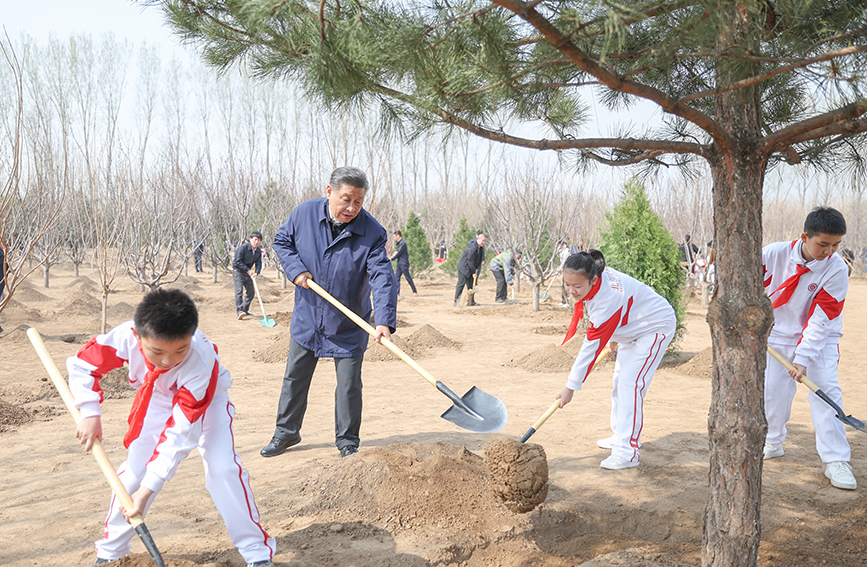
(416, 493)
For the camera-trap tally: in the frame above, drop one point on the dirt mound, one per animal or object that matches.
(517, 473)
(276, 351)
(84, 284)
(556, 330)
(12, 416)
(379, 353)
(428, 338)
(282, 318)
(17, 311)
(406, 486)
(401, 323)
(29, 294)
(699, 366)
(551, 358)
(80, 304)
(16, 335)
(120, 311)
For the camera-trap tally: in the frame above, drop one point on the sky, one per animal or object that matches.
(40, 18)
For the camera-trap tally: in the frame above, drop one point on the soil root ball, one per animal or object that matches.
(517, 473)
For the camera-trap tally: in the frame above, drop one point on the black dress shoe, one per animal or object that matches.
(278, 446)
(348, 450)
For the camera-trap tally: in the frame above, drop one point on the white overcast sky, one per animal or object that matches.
(39, 18)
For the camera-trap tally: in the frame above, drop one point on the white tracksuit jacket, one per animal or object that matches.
(807, 331)
(189, 408)
(643, 323)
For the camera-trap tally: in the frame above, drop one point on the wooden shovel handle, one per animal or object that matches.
(371, 331)
(259, 297)
(789, 366)
(97, 449)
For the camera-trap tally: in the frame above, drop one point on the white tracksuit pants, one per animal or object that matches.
(636, 363)
(225, 478)
(780, 388)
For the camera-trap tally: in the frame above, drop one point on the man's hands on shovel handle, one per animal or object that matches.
(88, 430)
(382, 331)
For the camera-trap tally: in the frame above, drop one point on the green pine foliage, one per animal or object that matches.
(420, 258)
(635, 242)
(462, 238)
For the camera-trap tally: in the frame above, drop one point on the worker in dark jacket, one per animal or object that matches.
(401, 255)
(246, 266)
(340, 246)
(470, 264)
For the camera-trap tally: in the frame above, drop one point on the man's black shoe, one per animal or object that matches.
(474, 304)
(348, 450)
(278, 446)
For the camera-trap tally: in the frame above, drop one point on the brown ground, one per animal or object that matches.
(416, 494)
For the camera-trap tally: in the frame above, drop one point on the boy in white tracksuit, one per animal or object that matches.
(807, 283)
(643, 323)
(181, 402)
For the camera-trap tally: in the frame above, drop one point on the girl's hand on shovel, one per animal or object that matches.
(565, 396)
(139, 500)
(88, 430)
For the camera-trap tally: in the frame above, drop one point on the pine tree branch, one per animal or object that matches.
(612, 80)
(623, 144)
(844, 120)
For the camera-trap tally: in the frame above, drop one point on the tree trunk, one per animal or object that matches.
(76, 271)
(104, 310)
(740, 318)
(45, 268)
(214, 273)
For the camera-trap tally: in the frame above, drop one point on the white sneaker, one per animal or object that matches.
(615, 463)
(773, 450)
(841, 475)
(607, 443)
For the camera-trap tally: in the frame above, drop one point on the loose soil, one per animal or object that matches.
(419, 491)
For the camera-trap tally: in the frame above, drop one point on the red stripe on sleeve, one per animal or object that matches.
(628, 308)
(103, 357)
(194, 409)
(829, 305)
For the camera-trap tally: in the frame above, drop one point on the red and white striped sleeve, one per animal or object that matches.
(824, 316)
(99, 356)
(605, 317)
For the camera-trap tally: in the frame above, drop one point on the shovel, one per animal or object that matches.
(266, 321)
(545, 295)
(556, 404)
(475, 411)
(847, 419)
(97, 449)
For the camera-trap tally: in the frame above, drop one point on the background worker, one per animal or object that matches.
(470, 264)
(246, 266)
(401, 255)
(503, 266)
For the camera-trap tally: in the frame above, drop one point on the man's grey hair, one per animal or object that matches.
(351, 176)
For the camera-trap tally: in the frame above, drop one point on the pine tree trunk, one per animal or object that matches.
(740, 318)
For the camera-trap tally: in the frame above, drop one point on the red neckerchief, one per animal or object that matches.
(140, 403)
(789, 286)
(579, 310)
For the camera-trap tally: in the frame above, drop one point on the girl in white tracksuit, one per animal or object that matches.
(643, 323)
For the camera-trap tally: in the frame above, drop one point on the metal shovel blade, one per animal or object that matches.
(268, 322)
(476, 410)
(847, 419)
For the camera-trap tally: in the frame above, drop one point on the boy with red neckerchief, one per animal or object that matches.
(807, 283)
(181, 402)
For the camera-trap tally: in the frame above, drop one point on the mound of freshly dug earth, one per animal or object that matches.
(699, 366)
(29, 294)
(120, 311)
(78, 304)
(517, 473)
(406, 486)
(551, 358)
(428, 338)
(379, 353)
(278, 349)
(12, 416)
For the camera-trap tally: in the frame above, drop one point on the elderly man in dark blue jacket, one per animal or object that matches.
(340, 246)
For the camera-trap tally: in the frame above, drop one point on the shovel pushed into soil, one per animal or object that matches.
(556, 405)
(475, 411)
(847, 419)
(97, 449)
(265, 320)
